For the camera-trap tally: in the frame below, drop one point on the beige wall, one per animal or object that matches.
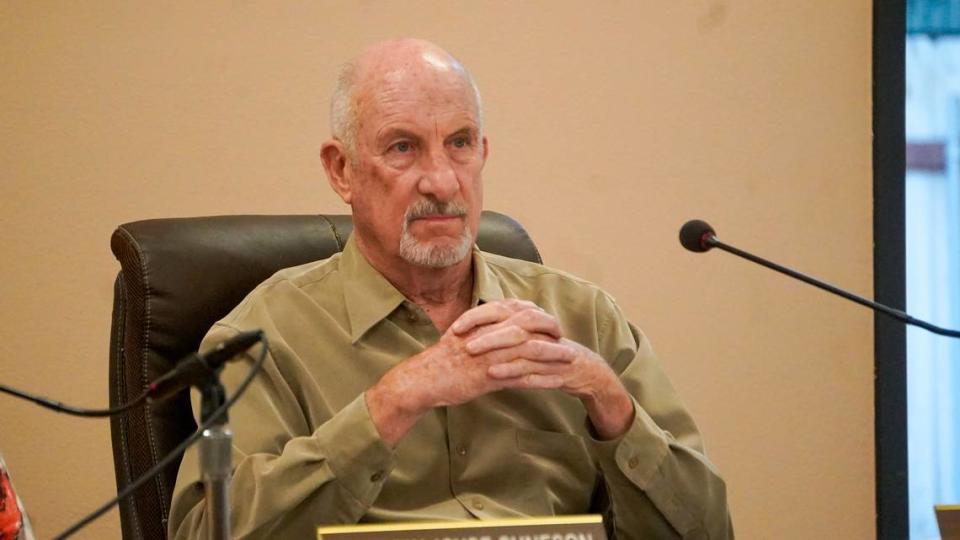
(610, 125)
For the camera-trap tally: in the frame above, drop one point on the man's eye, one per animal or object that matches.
(402, 146)
(461, 142)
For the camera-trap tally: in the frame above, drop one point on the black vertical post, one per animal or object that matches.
(890, 342)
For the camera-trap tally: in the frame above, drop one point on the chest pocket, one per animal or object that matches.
(559, 468)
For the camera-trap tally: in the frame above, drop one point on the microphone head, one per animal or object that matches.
(695, 235)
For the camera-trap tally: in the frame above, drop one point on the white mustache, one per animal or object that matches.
(427, 207)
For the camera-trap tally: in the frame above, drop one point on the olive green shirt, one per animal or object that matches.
(307, 453)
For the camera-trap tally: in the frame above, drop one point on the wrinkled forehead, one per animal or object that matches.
(386, 64)
(430, 87)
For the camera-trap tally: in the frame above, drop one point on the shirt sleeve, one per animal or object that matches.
(658, 479)
(331, 474)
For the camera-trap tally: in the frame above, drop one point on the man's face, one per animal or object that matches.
(415, 174)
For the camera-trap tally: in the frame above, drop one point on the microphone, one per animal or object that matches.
(695, 235)
(198, 368)
(191, 370)
(698, 236)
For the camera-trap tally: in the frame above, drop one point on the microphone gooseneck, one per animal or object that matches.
(189, 371)
(197, 368)
(698, 236)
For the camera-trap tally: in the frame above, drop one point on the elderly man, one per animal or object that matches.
(414, 377)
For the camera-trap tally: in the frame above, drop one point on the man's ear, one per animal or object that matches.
(334, 157)
(486, 148)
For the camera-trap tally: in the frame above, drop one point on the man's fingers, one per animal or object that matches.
(537, 320)
(516, 368)
(479, 316)
(533, 381)
(529, 324)
(521, 366)
(508, 336)
(489, 313)
(539, 350)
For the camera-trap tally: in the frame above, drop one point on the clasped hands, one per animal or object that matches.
(495, 346)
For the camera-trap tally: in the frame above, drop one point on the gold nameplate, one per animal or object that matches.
(585, 527)
(948, 517)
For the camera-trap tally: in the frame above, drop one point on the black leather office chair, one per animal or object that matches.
(178, 277)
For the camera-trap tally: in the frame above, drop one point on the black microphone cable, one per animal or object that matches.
(162, 387)
(180, 449)
(61, 407)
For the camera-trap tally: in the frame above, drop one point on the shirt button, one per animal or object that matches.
(634, 461)
(377, 476)
(478, 504)
(461, 450)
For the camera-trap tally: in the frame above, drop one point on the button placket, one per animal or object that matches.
(457, 449)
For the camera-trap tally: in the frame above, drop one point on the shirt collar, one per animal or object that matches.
(486, 286)
(370, 298)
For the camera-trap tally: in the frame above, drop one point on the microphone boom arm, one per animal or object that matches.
(710, 240)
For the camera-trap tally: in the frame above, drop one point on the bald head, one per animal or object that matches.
(390, 63)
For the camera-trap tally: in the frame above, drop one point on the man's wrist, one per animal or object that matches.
(611, 411)
(393, 412)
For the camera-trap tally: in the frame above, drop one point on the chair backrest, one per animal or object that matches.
(178, 277)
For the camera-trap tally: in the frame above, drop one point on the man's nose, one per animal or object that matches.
(439, 177)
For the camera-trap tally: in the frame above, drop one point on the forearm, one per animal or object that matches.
(610, 409)
(394, 406)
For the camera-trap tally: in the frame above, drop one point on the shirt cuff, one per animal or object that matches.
(637, 454)
(358, 457)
